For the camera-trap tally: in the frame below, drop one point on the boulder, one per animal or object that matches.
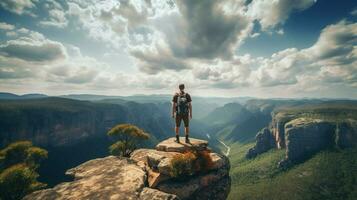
(151, 156)
(190, 188)
(164, 166)
(169, 145)
(152, 194)
(154, 178)
(218, 161)
(217, 191)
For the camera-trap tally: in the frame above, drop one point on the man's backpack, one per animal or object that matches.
(182, 104)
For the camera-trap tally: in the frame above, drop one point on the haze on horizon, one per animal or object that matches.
(258, 48)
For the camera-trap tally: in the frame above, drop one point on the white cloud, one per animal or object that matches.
(31, 50)
(280, 31)
(354, 12)
(19, 6)
(331, 60)
(269, 13)
(33, 56)
(178, 41)
(6, 27)
(56, 18)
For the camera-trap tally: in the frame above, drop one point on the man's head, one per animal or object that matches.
(182, 86)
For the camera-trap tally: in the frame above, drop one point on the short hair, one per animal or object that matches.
(182, 86)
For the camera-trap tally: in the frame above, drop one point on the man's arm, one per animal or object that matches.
(190, 108)
(173, 109)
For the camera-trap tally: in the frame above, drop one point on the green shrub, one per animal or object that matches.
(183, 165)
(14, 153)
(22, 152)
(17, 181)
(18, 164)
(35, 156)
(121, 148)
(128, 136)
(190, 163)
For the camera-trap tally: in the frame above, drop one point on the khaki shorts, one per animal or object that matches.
(179, 118)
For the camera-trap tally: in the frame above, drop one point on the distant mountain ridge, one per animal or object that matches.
(5, 95)
(234, 122)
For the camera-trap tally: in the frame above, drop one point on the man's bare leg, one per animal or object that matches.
(177, 129)
(187, 133)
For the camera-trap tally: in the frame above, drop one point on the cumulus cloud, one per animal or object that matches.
(33, 56)
(34, 51)
(16, 69)
(162, 35)
(335, 41)
(270, 13)
(56, 18)
(18, 6)
(6, 27)
(205, 31)
(153, 60)
(331, 60)
(194, 42)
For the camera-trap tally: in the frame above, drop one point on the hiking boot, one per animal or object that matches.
(187, 140)
(177, 139)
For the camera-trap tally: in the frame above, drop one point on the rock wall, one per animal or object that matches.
(278, 128)
(51, 122)
(144, 176)
(303, 137)
(264, 142)
(307, 136)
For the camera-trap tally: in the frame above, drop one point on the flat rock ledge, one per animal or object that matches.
(143, 176)
(170, 145)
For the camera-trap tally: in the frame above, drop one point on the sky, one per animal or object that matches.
(232, 48)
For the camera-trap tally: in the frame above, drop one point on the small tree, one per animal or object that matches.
(22, 152)
(18, 164)
(17, 181)
(128, 136)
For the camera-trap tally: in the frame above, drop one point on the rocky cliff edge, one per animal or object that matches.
(147, 174)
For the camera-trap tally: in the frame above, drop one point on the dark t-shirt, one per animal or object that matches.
(188, 97)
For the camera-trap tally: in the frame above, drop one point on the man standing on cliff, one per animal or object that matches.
(182, 111)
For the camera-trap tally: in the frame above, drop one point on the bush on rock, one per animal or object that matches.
(190, 163)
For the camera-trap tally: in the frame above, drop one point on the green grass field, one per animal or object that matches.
(327, 175)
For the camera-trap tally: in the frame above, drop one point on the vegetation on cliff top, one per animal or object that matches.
(18, 164)
(330, 174)
(190, 163)
(329, 111)
(128, 137)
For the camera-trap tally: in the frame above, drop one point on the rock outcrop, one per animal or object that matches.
(264, 142)
(307, 136)
(145, 175)
(303, 136)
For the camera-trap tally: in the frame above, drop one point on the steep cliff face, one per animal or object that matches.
(306, 132)
(264, 142)
(146, 175)
(307, 136)
(55, 121)
(59, 122)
